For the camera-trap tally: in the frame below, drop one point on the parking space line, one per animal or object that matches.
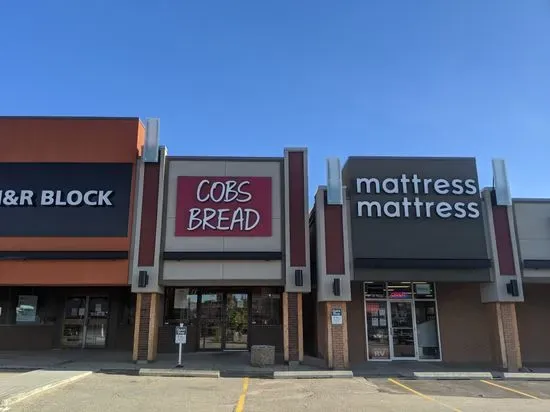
(242, 398)
(429, 398)
(510, 389)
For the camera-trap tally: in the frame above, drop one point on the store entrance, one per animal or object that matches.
(85, 322)
(223, 321)
(401, 321)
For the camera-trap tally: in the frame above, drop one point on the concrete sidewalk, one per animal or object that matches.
(234, 364)
(17, 387)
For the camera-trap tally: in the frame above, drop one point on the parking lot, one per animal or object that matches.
(101, 392)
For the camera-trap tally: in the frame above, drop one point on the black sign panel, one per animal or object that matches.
(65, 199)
(415, 208)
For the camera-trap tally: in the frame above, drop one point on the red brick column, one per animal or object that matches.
(337, 355)
(292, 304)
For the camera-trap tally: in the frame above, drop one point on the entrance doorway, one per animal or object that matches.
(401, 321)
(223, 321)
(85, 322)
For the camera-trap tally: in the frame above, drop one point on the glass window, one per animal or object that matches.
(375, 290)
(426, 329)
(266, 308)
(399, 290)
(26, 309)
(424, 290)
(180, 306)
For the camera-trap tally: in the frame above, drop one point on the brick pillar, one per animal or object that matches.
(337, 354)
(508, 335)
(293, 327)
(146, 327)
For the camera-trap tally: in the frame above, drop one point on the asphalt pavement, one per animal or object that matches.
(100, 393)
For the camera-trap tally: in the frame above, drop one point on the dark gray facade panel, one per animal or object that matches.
(416, 236)
(421, 263)
(423, 275)
(40, 208)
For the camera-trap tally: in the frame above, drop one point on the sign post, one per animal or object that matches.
(181, 339)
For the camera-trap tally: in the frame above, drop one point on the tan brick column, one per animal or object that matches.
(146, 327)
(508, 336)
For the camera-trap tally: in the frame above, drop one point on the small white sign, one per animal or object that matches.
(180, 299)
(181, 335)
(336, 317)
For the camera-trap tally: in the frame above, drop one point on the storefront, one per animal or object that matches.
(405, 264)
(66, 206)
(224, 259)
(533, 243)
(222, 236)
(224, 318)
(416, 224)
(406, 312)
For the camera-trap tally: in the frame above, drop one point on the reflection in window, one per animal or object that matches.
(26, 309)
(266, 308)
(426, 329)
(424, 290)
(180, 306)
(375, 290)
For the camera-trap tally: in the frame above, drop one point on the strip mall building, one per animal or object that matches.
(108, 242)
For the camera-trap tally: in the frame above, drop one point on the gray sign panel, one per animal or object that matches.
(65, 199)
(415, 208)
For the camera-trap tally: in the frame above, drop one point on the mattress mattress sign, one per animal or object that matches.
(412, 204)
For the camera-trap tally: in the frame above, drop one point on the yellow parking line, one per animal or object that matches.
(242, 398)
(429, 398)
(510, 389)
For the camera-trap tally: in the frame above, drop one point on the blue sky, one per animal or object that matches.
(231, 77)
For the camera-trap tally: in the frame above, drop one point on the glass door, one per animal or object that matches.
(377, 330)
(96, 322)
(211, 321)
(74, 323)
(236, 326)
(402, 331)
(85, 322)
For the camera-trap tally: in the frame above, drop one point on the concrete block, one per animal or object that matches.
(262, 355)
(187, 373)
(453, 375)
(312, 374)
(527, 376)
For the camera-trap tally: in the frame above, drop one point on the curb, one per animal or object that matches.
(188, 373)
(10, 400)
(312, 374)
(453, 375)
(526, 376)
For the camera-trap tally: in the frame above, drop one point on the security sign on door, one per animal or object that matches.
(181, 335)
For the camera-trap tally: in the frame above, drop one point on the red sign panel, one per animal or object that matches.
(223, 206)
